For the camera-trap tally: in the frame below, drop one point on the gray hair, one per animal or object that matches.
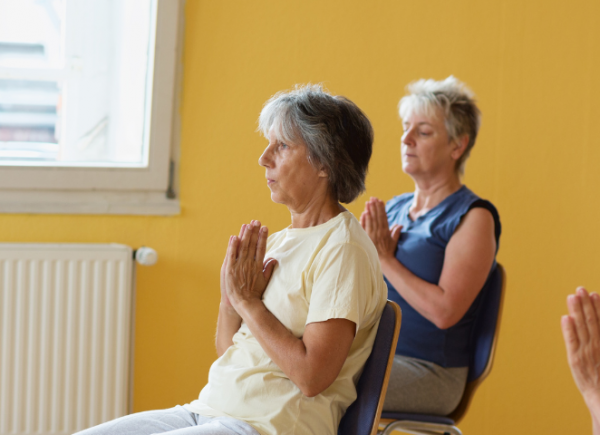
(461, 114)
(338, 135)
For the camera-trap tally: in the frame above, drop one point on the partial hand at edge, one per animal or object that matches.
(581, 332)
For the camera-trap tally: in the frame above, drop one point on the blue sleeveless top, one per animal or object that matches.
(421, 249)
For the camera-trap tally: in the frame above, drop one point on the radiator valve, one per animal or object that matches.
(146, 256)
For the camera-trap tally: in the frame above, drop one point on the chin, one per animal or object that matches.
(407, 169)
(275, 198)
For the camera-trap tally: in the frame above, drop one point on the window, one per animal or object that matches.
(86, 105)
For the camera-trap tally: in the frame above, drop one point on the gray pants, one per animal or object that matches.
(418, 386)
(174, 421)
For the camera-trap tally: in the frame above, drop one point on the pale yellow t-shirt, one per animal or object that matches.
(330, 271)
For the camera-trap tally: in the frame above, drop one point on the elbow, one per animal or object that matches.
(311, 391)
(445, 320)
(313, 387)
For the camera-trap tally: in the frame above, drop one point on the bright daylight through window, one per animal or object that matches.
(78, 90)
(69, 92)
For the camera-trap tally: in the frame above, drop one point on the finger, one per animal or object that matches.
(368, 227)
(396, 230)
(362, 219)
(589, 313)
(595, 297)
(576, 312)
(383, 221)
(570, 335)
(269, 266)
(226, 254)
(261, 247)
(382, 224)
(232, 250)
(244, 242)
(374, 217)
(252, 244)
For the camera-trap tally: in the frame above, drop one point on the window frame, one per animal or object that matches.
(116, 190)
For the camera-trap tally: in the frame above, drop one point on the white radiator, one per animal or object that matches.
(65, 336)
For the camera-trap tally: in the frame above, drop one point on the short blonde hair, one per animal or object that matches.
(457, 102)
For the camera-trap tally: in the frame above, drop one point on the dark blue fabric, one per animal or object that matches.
(360, 416)
(485, 325)
(421, 249)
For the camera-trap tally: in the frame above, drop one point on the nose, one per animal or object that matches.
(408, 137)
(265, 158)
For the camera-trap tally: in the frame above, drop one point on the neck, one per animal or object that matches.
(317, 211)
(429, 193)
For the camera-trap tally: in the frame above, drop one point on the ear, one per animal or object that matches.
(460, 146)
(322, 173)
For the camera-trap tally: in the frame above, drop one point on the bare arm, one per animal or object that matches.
(468, 258)
(228, 324)
(581, 331)
(312, 362)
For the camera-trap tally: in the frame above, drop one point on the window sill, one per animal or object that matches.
(90, 202)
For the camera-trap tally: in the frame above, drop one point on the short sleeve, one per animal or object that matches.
(342, 285)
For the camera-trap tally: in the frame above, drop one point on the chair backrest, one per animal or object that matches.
(362, 417)
(484, 339)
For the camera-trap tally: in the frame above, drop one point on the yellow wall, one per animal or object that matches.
(535, 68)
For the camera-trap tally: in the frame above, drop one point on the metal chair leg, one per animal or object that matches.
(418, 428)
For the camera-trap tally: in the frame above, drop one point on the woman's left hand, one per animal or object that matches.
(246, 272)
(374, 222)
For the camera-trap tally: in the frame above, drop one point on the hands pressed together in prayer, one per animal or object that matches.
(245, 273)
(375, 223)
(581, 331)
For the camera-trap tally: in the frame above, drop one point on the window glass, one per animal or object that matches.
(75, 82)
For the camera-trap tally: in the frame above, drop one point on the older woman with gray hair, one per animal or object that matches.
(294, 330)
(437, 247)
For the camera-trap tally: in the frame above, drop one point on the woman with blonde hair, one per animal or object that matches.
(437, 247)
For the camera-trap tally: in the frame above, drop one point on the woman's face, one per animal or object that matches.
(426, 149)
(293, 180)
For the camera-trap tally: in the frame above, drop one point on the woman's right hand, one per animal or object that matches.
(374, 222)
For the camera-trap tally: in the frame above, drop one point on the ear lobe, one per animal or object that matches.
(322, 173)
